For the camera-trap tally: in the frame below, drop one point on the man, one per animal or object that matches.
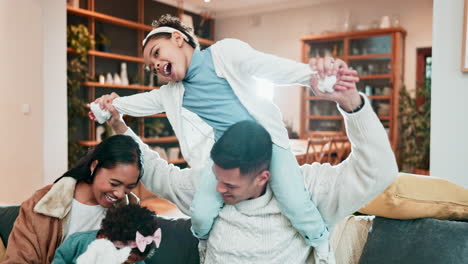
(250, 227)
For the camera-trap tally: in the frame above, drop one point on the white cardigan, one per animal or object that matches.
(337, 191)
(240, 65)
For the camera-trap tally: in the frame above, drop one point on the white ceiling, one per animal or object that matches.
(229, 8)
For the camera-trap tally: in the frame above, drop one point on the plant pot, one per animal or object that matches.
(103, 47)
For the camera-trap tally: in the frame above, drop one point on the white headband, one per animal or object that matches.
(164, 30)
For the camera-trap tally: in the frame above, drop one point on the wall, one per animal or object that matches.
(55, 129)
(449, 128)
(278, 33)
(28, 69)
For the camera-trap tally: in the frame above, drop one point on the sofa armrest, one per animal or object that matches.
(349, 237)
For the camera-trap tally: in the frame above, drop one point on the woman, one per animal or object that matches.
(77, 201)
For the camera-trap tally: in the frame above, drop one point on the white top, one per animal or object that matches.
(240, 65)
(254, 231)
(85, 217)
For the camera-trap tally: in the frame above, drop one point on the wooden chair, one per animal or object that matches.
(340, 148)
(326, 134)
(331, 150)
(318, 150)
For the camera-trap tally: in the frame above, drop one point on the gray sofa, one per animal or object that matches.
(356, 239)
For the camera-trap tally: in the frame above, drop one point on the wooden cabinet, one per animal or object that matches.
(121, 26)
(378, 57)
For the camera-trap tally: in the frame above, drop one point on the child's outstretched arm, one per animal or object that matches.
(280, 71)
(142, 104)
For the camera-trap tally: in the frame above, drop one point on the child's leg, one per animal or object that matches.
(287, 183)
(206, 204)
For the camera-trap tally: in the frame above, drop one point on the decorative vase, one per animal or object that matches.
(109, 79)
(123, 73)
(117, 79)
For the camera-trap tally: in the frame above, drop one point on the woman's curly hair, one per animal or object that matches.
(168, 20)
(122, 223)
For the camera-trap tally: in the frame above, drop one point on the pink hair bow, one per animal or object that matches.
(142, 241)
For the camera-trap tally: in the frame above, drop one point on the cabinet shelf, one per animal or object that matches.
(177, 161)
(161, 140)
(380, 97)
(120, 22)
(158, 115)
(338, 117)
(325, 117)
(115, 86)
(388, 57)
(90, 143)
(132, 29)
(375, 97)
(113, 56)
(369, 56)
(375, 76)
(353, 34)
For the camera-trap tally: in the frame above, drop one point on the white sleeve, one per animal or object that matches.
(141, 104)
(167, 180)
(280, 71)
(339, 191)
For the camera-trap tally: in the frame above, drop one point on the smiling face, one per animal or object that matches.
(235, 187)
(110, 185)
(168, 58)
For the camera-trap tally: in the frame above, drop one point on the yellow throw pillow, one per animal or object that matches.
(413, 196)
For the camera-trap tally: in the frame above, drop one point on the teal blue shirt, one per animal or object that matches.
(211, 97)
(74, 246)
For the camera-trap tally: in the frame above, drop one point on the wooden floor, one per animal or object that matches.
(163, 208)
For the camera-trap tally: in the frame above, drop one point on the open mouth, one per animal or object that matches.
(110, 199)
(167, 69)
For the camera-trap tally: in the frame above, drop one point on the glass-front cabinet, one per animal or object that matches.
(377, 55)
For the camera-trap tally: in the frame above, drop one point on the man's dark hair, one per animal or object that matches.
(245, 145)
(122, 223)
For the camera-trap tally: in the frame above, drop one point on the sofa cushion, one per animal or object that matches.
(412, 196)
(8, 216)
(416, 242)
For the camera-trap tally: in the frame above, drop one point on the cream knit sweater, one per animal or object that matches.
(254, 231)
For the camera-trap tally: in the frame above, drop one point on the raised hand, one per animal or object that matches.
(345, 92)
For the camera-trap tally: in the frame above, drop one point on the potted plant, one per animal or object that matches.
(415, 126)
(81, 41)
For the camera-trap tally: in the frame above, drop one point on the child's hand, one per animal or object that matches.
(106, 100)
(327, 66)
(345, 91)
